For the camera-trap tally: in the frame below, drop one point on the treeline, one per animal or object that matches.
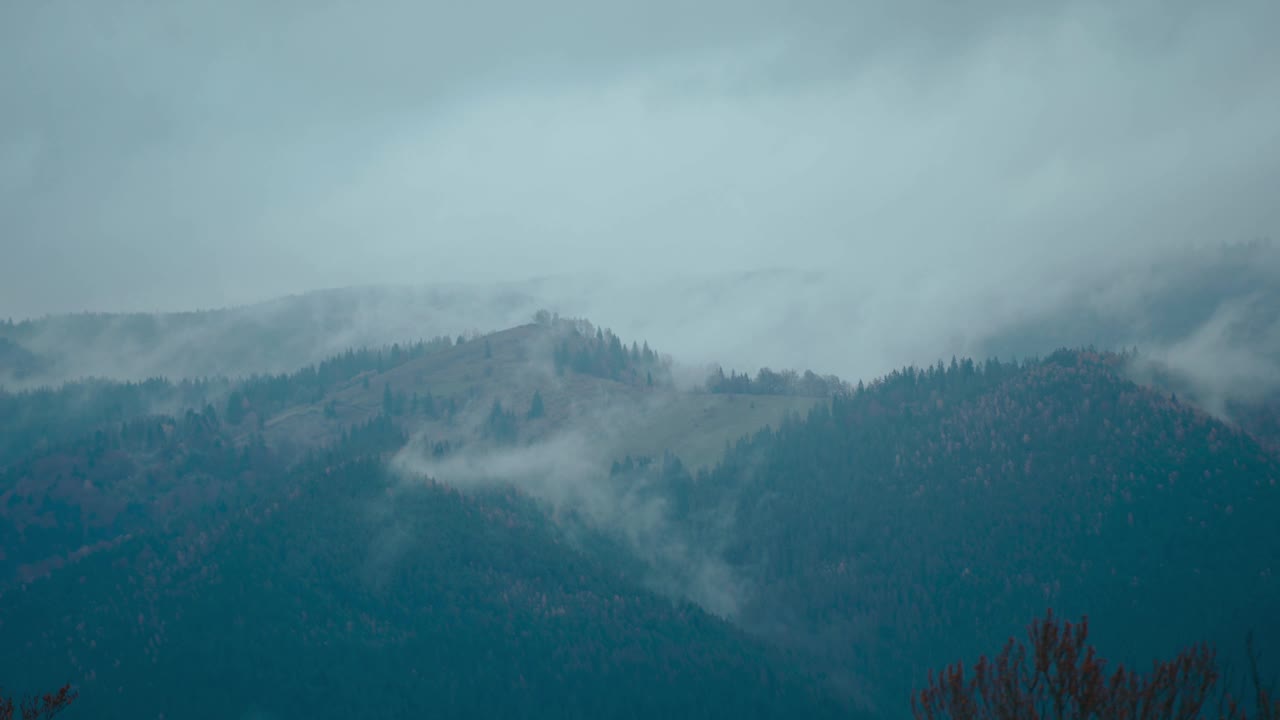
(399, 403)
(769, 382)
(589, 350)
(264, 395)
(32, 421)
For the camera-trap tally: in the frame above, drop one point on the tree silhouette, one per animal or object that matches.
(1063, 677)
(501, 427)
(38, 708)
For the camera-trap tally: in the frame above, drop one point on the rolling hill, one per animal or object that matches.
(545, 521)
(89, 462)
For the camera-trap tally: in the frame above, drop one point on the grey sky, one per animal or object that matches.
(177, 155)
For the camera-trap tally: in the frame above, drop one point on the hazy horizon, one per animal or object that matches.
(203, 155)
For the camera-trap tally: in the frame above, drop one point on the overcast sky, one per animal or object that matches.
(171, 155)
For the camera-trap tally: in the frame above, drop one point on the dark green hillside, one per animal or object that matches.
(90, 461)
(33, 421)
(352, 596)
(38, 420)
(221, 548)
(76, 497)
(926, 517)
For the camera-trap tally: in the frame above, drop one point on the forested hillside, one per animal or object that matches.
(641, 360)
(344, 591)
(927, 516)
(557, 505)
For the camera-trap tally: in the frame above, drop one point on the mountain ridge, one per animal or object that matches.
(808, 524)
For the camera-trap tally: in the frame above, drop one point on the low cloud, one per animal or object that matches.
(569, 473)
(1233, 357)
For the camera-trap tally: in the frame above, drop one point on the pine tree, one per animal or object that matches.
(501, 426)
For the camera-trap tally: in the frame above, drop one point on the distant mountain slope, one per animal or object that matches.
(351, 594)
(1211, 309)
(449, 395)
(34, 421)
(271, 337)
(93, 461)
(924, 518)
(1158, 305)
(1206, 322)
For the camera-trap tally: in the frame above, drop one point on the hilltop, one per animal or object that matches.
(87, 462)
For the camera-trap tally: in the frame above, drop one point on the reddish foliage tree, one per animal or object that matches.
(38, 708)
(1063, 678)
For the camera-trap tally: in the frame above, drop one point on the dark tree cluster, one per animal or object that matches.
(401, 403)
(77, 495)
(629, 465)
(32, 421)
(769, 382)
(536, 407)
(501, 426)
(375, 436)
(589, 350)
(264, 395)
